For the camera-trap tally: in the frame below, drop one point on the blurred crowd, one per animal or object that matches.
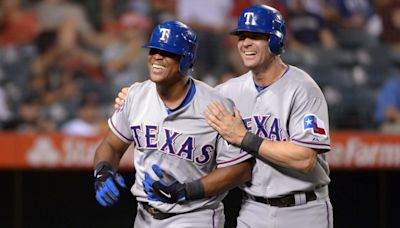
(62, 62)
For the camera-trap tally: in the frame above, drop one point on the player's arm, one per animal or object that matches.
(111, 150)
(232, 129)
(169, 190)
(106, 161)
(225, 178)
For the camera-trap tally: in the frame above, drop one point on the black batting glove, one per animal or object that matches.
(105, 184)
(167, 189)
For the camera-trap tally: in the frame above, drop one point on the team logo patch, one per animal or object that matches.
(316, 125)
(250, 19)
(165, 33)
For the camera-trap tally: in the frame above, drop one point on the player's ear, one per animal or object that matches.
(236, 112)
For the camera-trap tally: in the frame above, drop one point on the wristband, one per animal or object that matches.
(194, 190)
(251, 143)
(103, 165)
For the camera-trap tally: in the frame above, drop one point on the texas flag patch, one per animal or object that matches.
(316, 125)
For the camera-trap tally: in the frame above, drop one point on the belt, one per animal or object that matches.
(155, 213)
(285, 201)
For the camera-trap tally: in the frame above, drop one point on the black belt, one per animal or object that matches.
(284, 201)
(155, 213)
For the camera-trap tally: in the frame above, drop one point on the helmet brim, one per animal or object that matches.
(162, 48)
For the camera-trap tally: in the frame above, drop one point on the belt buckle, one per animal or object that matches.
(287, 202)
(152, 211)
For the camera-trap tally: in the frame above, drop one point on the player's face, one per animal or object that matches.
(254, 49)
(162, 65)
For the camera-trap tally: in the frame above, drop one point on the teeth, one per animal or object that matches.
(158, 66)
(249, 52)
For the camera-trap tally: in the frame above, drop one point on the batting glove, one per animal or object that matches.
(167, 189)
(105, 184)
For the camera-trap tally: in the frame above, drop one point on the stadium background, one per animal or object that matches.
(62, 63)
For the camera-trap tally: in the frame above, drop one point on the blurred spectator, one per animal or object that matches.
(318, 7)
(277, 4)
(17, 25)
(387, 113)
(162, 10)
(103, 12)
(55, 15)
(123, 59)
(389, 12)
(307, 28)
(212, 30)
(5, 112)
(86, 121)
(31, 119)
(356, 21)
(59, 75)
(353, 13)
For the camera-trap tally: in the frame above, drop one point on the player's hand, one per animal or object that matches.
(119, 101)
(105, 184)
(229, 126)
(167, 189)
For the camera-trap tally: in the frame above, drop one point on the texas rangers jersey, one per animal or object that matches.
(291, 109)
(181, 143)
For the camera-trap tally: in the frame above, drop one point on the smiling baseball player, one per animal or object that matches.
(183, 167)
(286, 127)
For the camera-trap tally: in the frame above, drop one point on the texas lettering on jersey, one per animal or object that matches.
(266, 127)
(147, 137)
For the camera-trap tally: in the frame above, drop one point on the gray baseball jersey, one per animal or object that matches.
(181, 143)
(291, 109)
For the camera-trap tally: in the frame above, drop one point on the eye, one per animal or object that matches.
(154, 51)
(241, 36)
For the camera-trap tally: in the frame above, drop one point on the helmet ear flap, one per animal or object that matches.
(275, 43)
(187, 61)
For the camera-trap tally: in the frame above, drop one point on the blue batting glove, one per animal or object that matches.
(148, 187)
(167, 189)
(106, 184)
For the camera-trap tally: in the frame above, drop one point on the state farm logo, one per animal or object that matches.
(43, 153)
(67, 152)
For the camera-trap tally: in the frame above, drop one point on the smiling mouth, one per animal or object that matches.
(249, 53)
(158, 68)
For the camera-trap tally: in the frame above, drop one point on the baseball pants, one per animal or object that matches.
(205, 218)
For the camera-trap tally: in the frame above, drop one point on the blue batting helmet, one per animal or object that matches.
(266, 20)
(177, 38)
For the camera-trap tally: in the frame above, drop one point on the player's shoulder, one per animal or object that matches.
(235, 82)
(138, 87)
(206, 94)
(300, 75)
(302, 80)
(206, 91)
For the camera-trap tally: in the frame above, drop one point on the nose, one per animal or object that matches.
(247, 41)
(158, 56)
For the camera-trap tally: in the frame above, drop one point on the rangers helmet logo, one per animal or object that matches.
(164, 34)
(249, 18)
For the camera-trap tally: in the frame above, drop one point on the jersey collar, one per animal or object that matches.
(261, 88)
(189, 97)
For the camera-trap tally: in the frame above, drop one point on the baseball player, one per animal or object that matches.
(286, 128)
(183, 167)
